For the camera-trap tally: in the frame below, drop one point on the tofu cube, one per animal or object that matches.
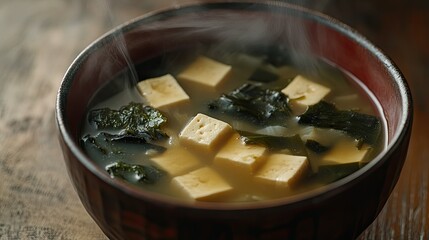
(283, 170)
(238, 156)
(346, 152)
(202, 184)
(162, 91)
(205, 71)
(176, 161)
(304, 91)
(205, 133)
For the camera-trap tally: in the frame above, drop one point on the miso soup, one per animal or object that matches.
(232, 126)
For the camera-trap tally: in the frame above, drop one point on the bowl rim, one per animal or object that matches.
(314, 195)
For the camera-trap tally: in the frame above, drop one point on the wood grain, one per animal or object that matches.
(39, 40)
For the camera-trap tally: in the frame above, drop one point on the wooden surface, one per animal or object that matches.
(38, 41)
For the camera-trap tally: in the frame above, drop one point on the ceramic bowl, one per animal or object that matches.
(341, 210)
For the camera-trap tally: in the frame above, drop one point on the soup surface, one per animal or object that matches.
(205, 124)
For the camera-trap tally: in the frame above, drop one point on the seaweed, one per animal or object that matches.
(135, 173)
(258, 105)
(292, 143)
(133, 120)
(332, 173)
(316, 146)
(101, 142)
(363, 127)
(131, 124)
(109, 144)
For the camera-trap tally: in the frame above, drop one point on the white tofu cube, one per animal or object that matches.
(346, 152)
(304, 91)
(202, 184)
(283, 170)
(205, 133)
(176, 161)
(205, 71)
(162, 91)
(238, 156)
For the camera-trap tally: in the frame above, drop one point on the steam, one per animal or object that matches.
(120, 43)
(227, 29)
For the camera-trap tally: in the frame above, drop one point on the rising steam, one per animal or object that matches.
(226, 27)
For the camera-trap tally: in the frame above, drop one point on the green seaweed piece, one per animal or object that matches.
(363, 127)
(134, 119)
(292, 143)
(332, 173)
(135, 173)
(251, 102)
(102, 143)
(315, 146)
(110, 144)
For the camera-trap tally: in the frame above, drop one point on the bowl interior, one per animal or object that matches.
(308, 34)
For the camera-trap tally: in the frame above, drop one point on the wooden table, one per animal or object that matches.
(38, 41)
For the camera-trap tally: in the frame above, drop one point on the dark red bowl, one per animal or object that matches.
(341, 210)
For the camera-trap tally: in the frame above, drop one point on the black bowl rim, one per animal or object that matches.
(315, 195)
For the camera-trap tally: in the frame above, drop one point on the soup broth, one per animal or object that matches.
(272, 145)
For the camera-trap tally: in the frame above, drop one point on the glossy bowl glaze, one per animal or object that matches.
(341, 210)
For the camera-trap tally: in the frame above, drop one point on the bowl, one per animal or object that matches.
(340, 210)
